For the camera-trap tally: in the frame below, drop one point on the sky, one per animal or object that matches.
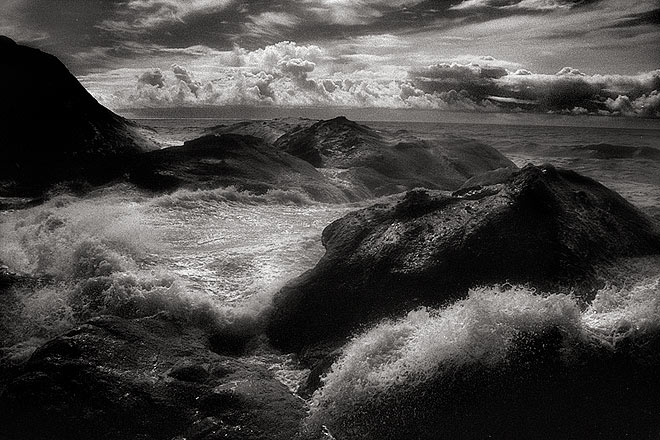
(569, 57)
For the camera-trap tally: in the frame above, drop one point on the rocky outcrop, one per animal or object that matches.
(546, 227)
(268, 130)
(245, 162)
(148, 378)
(53, 129)
(381, 163)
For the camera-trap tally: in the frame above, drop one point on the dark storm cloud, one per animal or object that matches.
(642, 19)
(115, 28)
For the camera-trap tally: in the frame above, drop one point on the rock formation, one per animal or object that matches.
(245, 162)
(268, 130)
(545, 227)
(148, 378)
(381, 163)
(53, 129)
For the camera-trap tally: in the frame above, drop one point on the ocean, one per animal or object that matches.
(223, 253)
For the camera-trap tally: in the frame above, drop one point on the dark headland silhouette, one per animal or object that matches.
(53, 129)
(156, 376)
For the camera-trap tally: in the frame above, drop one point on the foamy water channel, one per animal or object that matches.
(119, 251)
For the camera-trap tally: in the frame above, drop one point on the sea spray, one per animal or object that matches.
(194, 198)
(503, 363)
(209, 258)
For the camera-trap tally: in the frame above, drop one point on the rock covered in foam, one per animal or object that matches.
(53, 129)
(148, 378)
(547, 227)
(381, 162)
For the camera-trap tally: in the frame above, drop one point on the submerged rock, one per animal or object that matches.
(546, 227)
(148, 378)
(380, 163)
(54, 130)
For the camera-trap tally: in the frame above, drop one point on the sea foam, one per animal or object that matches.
(436, 367)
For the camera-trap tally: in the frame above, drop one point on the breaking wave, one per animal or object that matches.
(193, 198)
(107, 254)
(493, 354)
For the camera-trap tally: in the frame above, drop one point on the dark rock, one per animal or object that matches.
(148, 378)
(318, 369)
(536, 391)
(544, 227)
(190, 373)
(53, 129)
(382, 163)
(268, 130)
(245, 162)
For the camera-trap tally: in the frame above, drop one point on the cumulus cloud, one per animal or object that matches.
(645, 106)
(152, 78)
(288, 74)
(182, 75)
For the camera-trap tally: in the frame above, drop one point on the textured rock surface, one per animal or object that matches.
(546, 227)
(149, 378)
(381, 163)
(54, 129)
(269, 130)
(221, 160)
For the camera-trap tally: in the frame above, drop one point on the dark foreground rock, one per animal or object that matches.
(148, 378)
(379, 163)
(546, 227)
(245, 162)
(54, 130)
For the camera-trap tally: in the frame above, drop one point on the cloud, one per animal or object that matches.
(182, 75)
(139, 16)
(645, 106)
(288, 74)
(538, 5)
(270, 24)
(153, 78)
(353, 12)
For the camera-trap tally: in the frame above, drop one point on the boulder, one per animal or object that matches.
(148, 378)
(53, 129)
(549, 228)
(268, 130)
(378, 162)
(246, 162)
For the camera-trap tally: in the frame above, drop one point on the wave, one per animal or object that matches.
(231, 195)
(92, 256)
(482, 367)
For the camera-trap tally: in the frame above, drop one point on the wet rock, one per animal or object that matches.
(148, 378)
(545, 227)
(381, 163)
(268, 130)
(244, 162)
